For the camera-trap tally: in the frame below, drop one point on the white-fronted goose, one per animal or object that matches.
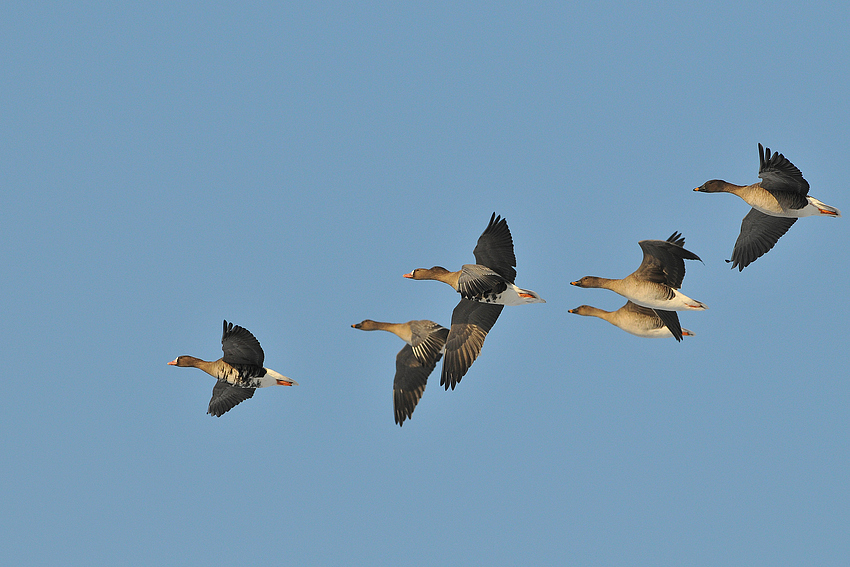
(777, 201)
(485, 288)
(635, 319)
(239, 372)
(426, 341)
(656, 281)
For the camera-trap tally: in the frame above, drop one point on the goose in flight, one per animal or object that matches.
(777, 201)
(426, 342)
(239, 372)
(633, 318)
(656, 282)
(485, 288)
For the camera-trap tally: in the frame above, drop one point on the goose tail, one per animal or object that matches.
(823, 208)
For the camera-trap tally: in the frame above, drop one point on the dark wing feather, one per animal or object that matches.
(495, 249)
(411, 375)
(664, 261)
(476, 280)
(471, 321)
(779, 174)
(428, 341)
(759, 232)
(671, 320)
(240, 346)
(226, 396)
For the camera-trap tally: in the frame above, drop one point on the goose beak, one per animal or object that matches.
(408, 276)
(286, 382)
(173, 362)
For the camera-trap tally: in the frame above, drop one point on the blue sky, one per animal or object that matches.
(166, 167)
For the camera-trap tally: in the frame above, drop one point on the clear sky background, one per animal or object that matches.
(281, 166)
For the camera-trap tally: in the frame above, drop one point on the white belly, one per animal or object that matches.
(679, 302)
(512, 296)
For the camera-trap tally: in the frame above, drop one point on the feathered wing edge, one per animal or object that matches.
(471, 321)
(759, 233)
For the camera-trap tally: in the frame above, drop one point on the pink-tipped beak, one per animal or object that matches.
(408, 276)
(173, 362)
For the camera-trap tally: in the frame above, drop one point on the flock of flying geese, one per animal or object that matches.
(488, 285)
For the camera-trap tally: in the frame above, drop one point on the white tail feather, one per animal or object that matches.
(273, 378)
(823, 208)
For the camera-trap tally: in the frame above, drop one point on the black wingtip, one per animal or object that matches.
(448, 383)
(677, 239)
(495, 220)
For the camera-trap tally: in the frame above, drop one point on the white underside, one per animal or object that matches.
(511, 296)
(680, 302)
(814, 208)
(271, 378)
(662, 333)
